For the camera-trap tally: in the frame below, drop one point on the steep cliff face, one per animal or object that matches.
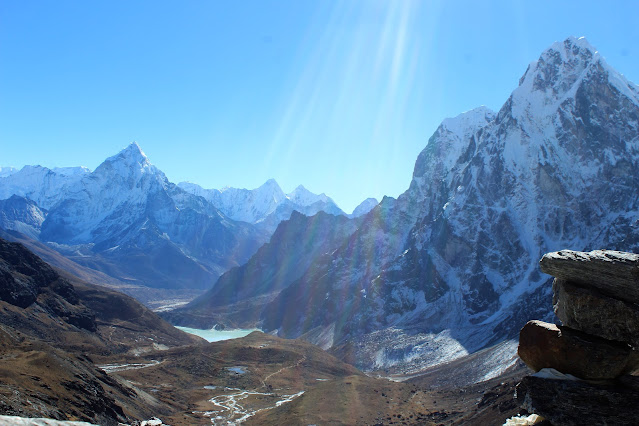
(451, 265)
(556, 167)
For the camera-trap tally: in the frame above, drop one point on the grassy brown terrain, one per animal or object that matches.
(272, 370)
(73, 351)
(39, 380)
(488, 402)
(269, 368)
(245, 379)
(53, 329)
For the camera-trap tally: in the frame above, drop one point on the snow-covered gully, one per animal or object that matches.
(113, 368)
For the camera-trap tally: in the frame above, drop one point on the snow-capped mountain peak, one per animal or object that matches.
(461, 124)
(271, 189)
(133, 150)
(130, 164)
(364, 207)
(266, 205)
(558, 68)
(44, 186)
(271, 183)
(131, 155)
(448, 144)
(557, 75)
(304, 197)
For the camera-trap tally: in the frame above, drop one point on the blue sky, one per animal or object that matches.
(339, 96)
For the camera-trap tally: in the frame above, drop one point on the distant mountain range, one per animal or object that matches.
(450, 266)
(126, 220)
(267, 205)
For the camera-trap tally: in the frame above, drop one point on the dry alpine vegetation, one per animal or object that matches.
(75, 351)
(261, 379)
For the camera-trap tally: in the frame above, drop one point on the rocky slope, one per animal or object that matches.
(39, 380)
(39, 303)
(153, 298)
(451, 265)
(238, 297)
(51, 329)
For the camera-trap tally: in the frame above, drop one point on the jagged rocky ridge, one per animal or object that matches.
(268, 205)
(582, 366)
(450, 266)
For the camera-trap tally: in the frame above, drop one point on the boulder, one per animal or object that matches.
(614, 273)
(592, 312)
(544, 345)
(570, 402)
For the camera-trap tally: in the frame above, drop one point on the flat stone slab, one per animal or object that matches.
(568, 402)
(614, 273)
(544, 345)
(590, 311)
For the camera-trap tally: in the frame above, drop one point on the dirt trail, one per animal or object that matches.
(297, 364)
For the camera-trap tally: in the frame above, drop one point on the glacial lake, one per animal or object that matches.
(217, 335)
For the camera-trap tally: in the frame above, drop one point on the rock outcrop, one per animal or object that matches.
(570, 402)
(613, 272)
(584, 367)
(595, 313)
(543, 345)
